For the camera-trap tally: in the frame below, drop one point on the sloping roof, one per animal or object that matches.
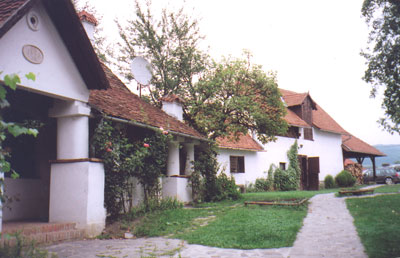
(325, 122)
(292, 98)
(245, 142)
(292, 119)
(119, 102)
(351, 143)
(85, 16)
(65, 19)
(172, 98)
(321, 119)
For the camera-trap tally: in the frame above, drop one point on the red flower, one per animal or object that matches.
(109, 150)
(146, 145)
(165, 132)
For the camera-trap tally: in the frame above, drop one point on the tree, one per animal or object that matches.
(234, 97)
(170, 44)
(383, 59)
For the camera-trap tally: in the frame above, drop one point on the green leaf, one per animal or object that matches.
(31, 76)
(14, 174)
(3, 92)
(17, 130)
(12, 80)
(5, 166)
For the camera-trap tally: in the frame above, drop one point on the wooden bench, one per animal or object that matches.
(357, 192)
(294, 203)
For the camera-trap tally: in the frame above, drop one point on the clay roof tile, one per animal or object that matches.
(119, 102)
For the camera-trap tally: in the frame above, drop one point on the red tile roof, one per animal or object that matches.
(325, 122)
(172, 98)
(348, 162)
(119, 102)
(293, 98)
(8, 8)
(351, 143)
(245, 142)
(321, 119)
(85, 16)
(292, 119)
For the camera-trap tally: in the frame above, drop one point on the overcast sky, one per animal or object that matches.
(313, 45)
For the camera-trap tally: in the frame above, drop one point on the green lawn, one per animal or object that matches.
(388, 189)
(377, 221)
(230, 224)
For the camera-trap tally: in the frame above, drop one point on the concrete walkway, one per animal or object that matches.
(328, 231)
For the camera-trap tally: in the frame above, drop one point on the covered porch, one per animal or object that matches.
(353, 147)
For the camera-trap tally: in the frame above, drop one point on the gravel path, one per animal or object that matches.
(328, 231)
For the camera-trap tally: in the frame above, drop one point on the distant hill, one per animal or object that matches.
(391, 150)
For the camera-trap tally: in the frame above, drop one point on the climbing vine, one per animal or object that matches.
(10, 128)
(288, 180)
(125, 158)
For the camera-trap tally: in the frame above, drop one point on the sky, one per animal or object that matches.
(313, 45)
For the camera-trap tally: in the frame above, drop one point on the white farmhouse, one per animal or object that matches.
(323, 145)
(61, 189)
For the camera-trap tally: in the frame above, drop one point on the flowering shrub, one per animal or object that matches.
(125, 158)
(205, 183)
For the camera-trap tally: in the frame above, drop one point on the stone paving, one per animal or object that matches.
(328, 231)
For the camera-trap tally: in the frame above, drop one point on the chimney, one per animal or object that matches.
(172, 105)
(89, 22)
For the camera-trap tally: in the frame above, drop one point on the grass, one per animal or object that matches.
(377, 221)
(229, 224)
(388, 189)
(250, 228)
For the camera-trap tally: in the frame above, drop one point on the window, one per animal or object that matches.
(237, 164)
(308, 134)
(282, 165)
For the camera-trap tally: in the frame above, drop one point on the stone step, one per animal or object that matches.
(41, 233)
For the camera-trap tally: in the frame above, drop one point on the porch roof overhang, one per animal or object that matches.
(70, 29)
(355, 148)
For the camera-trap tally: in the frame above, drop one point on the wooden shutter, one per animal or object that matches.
(313, 173)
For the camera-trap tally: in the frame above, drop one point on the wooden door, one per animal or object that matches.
(303, 177)
(313, 173)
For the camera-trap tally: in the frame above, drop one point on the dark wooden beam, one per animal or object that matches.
(373, 166)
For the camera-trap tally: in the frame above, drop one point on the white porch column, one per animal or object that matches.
(173, 158)
(72, 129)
(77, 183)
(189, 147)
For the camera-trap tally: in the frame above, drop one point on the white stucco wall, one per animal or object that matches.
(253, 165)
(176, 187)
(57, 75)
(326, 146)
(173, 109)
(77, 195)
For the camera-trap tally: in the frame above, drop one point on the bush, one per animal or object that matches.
(206, 185)
(329, 182)
(226, 188)
(262, 185)
(285, 180)
(345, 179)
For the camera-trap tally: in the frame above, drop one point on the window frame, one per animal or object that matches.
(237, 164)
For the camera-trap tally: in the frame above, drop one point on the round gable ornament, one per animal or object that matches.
(33, 21)
(33, 54)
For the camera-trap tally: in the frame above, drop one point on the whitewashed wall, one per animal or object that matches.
(57, 75)
(252, 161)
(326, 146)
